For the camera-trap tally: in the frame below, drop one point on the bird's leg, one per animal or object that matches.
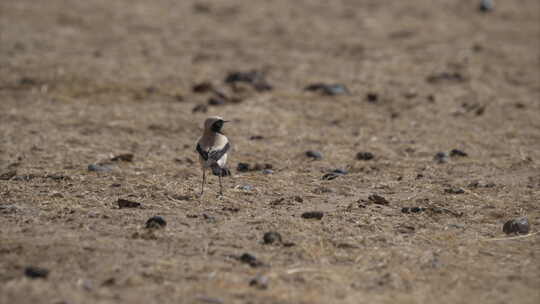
(203, 180)
(220, 186)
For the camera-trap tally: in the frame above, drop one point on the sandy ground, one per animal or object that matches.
(83, 81)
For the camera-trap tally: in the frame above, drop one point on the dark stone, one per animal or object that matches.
(203, 87)
(413, 209)
(340, 171)
(156, 222)
(27, 81)
(250, 259)
(441, 157)
(313, 215)
(316, 155)
(124, 203)
(243, 167)
(365, 156)
(485, 6)
(457, 152)
(328, 89)
(151, 90)
(260, 282)
(272, 237)
(128, 157)
(454, 191)
(216, 101)
(446, 77)
(377, 199)
(372, 97)
(256, 137)
(36, 272)
(255, 78)
(517, 226)
(200, 108)
(8, 175)
(99, 168)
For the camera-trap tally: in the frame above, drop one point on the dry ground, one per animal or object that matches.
(81, 81)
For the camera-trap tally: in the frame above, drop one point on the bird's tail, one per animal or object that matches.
(218, 171)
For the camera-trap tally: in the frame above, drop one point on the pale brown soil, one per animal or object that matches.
(82, 81)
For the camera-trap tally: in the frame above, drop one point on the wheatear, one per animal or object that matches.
(213, 148)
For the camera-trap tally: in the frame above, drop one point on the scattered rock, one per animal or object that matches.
(457, 152)
(128, 157)
(124, 203)
(250, 259)
(36, 272)
(268, 171)
(216, 101)
(480, 184)
(260, 282)
(209, 218)
(328, 89)
(298, 199)
(372, 97)
(245, 187)
(243, 167)
(100, 167)
(200, 108)
(209, 300)
(256, 137)
(272, 237)
(413, 209)
(446, 77)
(109, 282)
(334, 174)
(313, 215)
(454, 191)
(517, 226)
(485, 6)
(316, 155)
(202, 87)
(8, 175)
(365, 156)
(441, 157)
(255, 78)
(156, 222)
(377, 199)
(8, 209)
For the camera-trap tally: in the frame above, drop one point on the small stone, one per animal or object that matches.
(127, 157)
(340, 171)
(36, 272)
(260, 282)
(216, 101)
(200, 108)
(256, 137)
(250, 259)
(485, 6)
(124, 203)
(454, 191)
(272, 237)
(255, 78)
(298, 199)
(328, 89)
(313, 215)
(316, 155)
(365, 156)
(441, 157)
(377, 199)
(245, 187)
(268, 171)
(457, 152)
(243, 167)
(202, 87)
(446, 77)
(8, 175)
(412, 209)
(517, 226)
(155, 222)
(99, 168)
(372, 97)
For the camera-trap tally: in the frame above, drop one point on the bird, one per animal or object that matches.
(213, 148)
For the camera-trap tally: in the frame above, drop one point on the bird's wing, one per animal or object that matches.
(203, 153)
(215, 155)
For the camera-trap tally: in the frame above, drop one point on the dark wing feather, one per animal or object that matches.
(216, 155)
(203, 153)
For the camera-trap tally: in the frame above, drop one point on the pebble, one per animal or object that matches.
(8, 175)
(365, 156)
(486, 6)
(379, 200)
(272, 237)
(454, 191)
(256, 137)
(254, 78)
(124, 203)
(202, 87)
(441, 157)
(99, 168)
(328, 89)
(517, 226)
(372, 97)
(313, 215)
(260, 282)
(316, 155)
(127, 157)
(216, 101)
(245, 187)
(268, 171)
(243, 167)
(413, 209)
(200, 108)
(155, 222)
(250, 259)
(36, 272)
(457, 152)
(445, 76)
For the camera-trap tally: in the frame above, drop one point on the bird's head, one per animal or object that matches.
(214, 124)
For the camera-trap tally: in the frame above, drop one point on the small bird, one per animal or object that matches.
(213, 148)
